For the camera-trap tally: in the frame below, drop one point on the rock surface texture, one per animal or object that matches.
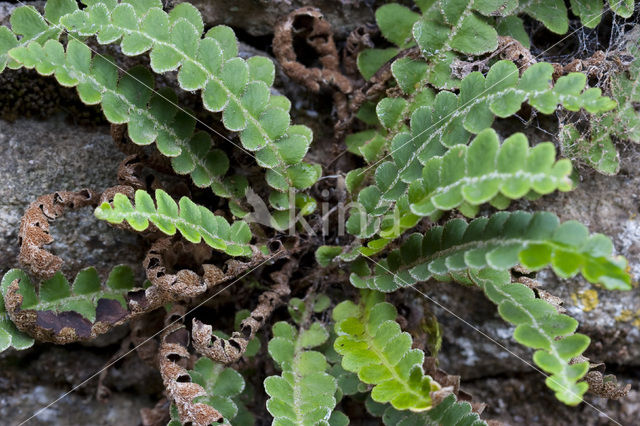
(43, 156)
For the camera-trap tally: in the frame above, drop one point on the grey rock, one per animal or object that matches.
(40, 157)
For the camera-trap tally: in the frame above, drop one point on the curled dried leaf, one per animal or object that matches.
(228, 351)
(173, 359)
(309, 24)
(156, 416)
(167, 252)
(34, 228)
(603, 385)
(358, 39)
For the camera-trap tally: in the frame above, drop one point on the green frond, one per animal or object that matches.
(131, 99)
(464, 178)
(222, 384)
(485, 169)
(28, 25)
(554, 16)
(540, 326)
(236, 87)
(448, 412)
(57, 305)
(506, 239)
(10, 336)
(304, 393)
(195, 223)
(373, 346)
(448, 120)
(595, 145)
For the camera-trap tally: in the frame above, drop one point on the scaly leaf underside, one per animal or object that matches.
(10, 336)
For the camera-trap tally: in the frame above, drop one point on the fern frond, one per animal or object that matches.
(150, 116)
(540, 326)
(28, 25)
(373, 346)
(500, 242)
(596, 146)
(221, 384)
(236, 87)
(10, 336)
(449, 120)
(448, 412)
(304, 393)
(195, 223)
(63, 313)
(466, 177)
(484, 169)
(554, 14)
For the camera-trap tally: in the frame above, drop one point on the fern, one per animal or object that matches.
(373, 346)
(500, 242)
(539, 326)
(466, 177)
(30, 26)
(484, 170)
(63, 311)
(10, 336)
(596, 147)
(554, 15)
(445, 28)
(195, 223)
(150, 116)
(448, 120)
(237, 88)
(223, 385)
(304, 393)
(447, 412)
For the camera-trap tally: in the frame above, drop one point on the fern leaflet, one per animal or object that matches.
(304, 393)
(464, 178)
(449, 119)
(195, 223)
(223, 385)
(10, 336)
(500, 242)
(237, 88)
(448, 412)
(60, 312)
(540, 326)
(150, 116)
(373, 346)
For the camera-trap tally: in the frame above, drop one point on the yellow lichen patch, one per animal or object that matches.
(588, 299)
(626, 315)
